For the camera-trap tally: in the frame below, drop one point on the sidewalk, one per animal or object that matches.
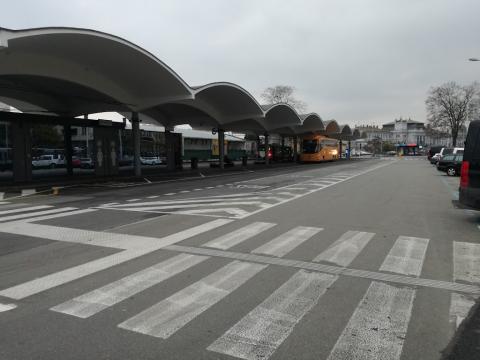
(466, 343)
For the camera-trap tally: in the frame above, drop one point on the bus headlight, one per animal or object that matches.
(334, 152)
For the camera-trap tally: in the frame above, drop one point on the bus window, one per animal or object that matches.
(310, 146)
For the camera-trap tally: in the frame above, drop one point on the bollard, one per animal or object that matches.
(55, 190)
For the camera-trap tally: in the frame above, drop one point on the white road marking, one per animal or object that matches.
(236, 237)
(153, 196)
(466, 262)
(295, 188)
(97, 300)
(210, 187)
(263, 330)
(378, 327)
(460, 306)
(346, 248)
(197, 189)
(26, 192)
(184, 206)
(201, 201)
(135, 250)
(236, 212)
(37, 213)
(7, 307)
(4, 202)
(406, 256)
(110, 204)
(184, 191)
(23, 209)
(51, 216)
(286, 242)
(132, 200)
(169, 194)
(170, 315)
(330, 269)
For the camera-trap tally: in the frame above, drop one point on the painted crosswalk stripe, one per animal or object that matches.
(286, 242)
(185, 206)
(236, 237)
(24, 209)
(170, 315)
(7, 307)
(97, 300)
(466, 262)
(346, 248)
(406, 256)
(263, 330)
(36, 213)
(378, 327)
(47, 282)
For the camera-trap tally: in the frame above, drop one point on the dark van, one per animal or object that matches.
(470, 172)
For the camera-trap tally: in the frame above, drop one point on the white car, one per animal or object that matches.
(49, 161)
(150, 160)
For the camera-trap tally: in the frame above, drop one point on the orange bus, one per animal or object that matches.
(316, 148)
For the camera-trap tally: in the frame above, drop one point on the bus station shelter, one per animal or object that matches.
(59, 76)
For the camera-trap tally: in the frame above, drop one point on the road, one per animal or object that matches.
(368, 259)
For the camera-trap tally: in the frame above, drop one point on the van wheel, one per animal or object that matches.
(451, 171)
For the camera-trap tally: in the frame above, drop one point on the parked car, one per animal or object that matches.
(87, 163)
(150, 160)
(49, 161)
(470, 171)
(434, 159)
(433, 150)
(450, 164)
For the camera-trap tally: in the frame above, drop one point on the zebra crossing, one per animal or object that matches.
(377, 326)
(239, 205)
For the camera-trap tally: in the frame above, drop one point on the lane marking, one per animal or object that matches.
(406, 256)
(170, 315)
(237, 236)
(102, 298)
(7, 307)
(184, 191)
(184, 206)
(346, 248)
(169, 194)
(153, 196)
(330, 269)
(287, 241)
(134, 251)
(31, 208)
(466, 262)
(33, 214)
(132, 200)
(460, 306)
(378, 327)
(49, 217)
(263, 330)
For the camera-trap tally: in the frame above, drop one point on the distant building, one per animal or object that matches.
(407, 131)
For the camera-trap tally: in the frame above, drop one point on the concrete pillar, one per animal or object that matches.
(67, 133)
(295, 149)
(22, 154)
(267, 160)
(170, 148)
(259, 143)
(349, 150)
(137, 166)
(340, 149)
(221, 147)
(283, 145)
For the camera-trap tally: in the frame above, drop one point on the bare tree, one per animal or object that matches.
(283, 94)
(450, 105)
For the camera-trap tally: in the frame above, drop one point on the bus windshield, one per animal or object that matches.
(310, 146)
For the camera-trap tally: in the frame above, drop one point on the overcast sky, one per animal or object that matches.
(358, 61)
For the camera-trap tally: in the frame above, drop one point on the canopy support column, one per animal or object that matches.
(283, 148)
(295, 149)
(22, 156)
(266, 150)
(340, 149)
(221, 148)
(170, 148)
(67, 133)
(349, 149)
(137, 166)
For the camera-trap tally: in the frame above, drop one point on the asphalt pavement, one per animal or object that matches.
(367, 259)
